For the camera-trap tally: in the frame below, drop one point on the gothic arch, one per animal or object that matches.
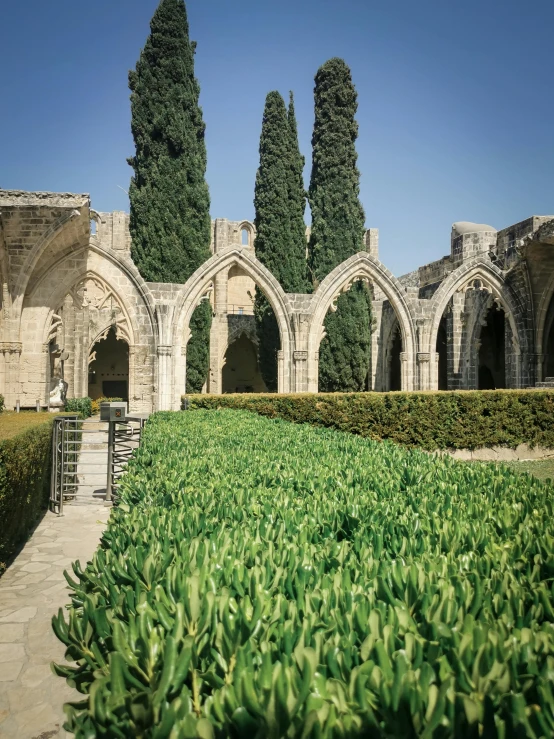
(104, 261)
(48, 237)
(464, 278)
(199, 283)
(54, 297)
(361, 266)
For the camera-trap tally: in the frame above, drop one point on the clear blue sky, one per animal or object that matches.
(456, 103)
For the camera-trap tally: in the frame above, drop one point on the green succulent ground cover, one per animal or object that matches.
(266, 579)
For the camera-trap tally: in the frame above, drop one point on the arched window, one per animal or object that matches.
(245, 237)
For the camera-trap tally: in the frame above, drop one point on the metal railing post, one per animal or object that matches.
(62, 467)
(111, 444)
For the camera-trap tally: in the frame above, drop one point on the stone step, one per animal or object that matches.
(547, 384)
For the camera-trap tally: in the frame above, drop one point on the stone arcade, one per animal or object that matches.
(74, 308)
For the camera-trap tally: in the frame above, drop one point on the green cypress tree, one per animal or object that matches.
(170, 203)
(279, 201)
(297, 280)
(338, 228)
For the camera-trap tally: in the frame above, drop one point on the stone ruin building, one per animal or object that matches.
(75, 307)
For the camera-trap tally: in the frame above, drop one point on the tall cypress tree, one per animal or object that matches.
(170, 203)
(338, 227)
(279, 202)
(297, 281)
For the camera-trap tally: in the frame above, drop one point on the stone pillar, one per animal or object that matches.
(434, 369)
(68, 327)
(45, 377)
(377, 381)
(300, 359)
(132, 380)
(454, 329)
(404, 371)
(219, 332)
(538, 360)
(12, 354)
(280, 368)
(182, 376)
(423, 370)
(164, 378)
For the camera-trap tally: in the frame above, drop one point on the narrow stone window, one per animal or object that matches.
(92, 227)
(245, 237)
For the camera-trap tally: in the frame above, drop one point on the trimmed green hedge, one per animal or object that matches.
(446, 420)
(25, 464)
(79, 405)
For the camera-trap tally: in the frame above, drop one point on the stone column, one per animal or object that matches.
(182, 376)
(300, 359)
(45, 377)
(404, 370)
(537, 361)
(164, 378)
(280, 368)
(454, 329)
(69, 345)
(219, 332)
(12, 355)
(377, 365)
(423, 370)
(132, 380)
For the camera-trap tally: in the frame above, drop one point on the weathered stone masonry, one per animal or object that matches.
(483, 314)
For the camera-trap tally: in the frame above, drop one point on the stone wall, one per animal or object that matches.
(68, 279)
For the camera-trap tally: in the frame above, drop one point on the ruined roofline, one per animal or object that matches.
(24, 199)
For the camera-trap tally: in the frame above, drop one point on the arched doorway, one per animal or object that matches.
(492, 351)
(241, 373)
(109, 368)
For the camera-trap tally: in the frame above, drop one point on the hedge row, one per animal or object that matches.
(25, 465)
(442, 420)
(261, 580)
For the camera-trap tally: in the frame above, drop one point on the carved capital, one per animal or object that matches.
(11, 347)
(165, 351)
(300, 356)
(280, 355)
(423, 357)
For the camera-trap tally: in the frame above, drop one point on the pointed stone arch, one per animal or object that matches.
(134, 322)
(481, 274)
(366, 267)
(199, 284)
(59, 228)
(464, 278)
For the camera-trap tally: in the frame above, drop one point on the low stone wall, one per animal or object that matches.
(521, 453)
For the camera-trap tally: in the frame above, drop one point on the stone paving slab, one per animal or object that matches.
(31, 591)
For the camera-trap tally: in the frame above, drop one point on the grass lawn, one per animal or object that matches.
(541, 468)
(12, 423)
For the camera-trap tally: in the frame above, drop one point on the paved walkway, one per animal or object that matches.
(31, 591)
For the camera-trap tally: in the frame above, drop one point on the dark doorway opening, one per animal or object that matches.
(492, 352)
(241, 373)
(395, 372)
(109, 371)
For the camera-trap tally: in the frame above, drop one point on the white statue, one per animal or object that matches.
(58, 392)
